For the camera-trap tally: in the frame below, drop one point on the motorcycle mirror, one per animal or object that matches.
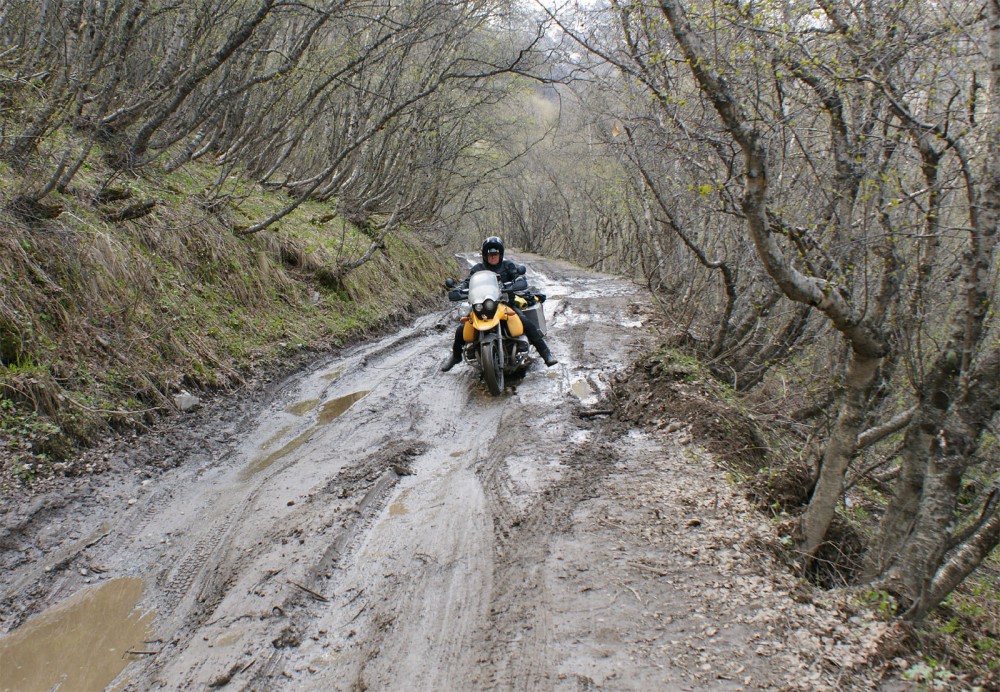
(521, 269)
(450, 283)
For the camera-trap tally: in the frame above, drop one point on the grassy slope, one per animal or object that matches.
(102, 322)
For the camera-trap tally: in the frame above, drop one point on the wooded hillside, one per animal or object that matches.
(811, 189)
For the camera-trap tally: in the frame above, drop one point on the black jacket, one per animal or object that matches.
(507, 271)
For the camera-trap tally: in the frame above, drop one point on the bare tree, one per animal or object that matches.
(850, 152)
(364, 106)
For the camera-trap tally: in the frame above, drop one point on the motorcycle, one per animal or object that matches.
(494, 334)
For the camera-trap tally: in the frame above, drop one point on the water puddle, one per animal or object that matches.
(398, 508)
(331, 376)
(331, 410)
(265, 461)
(457, 453)
(336, 407)
(582, 389)
(302, 407)
(82, 643)
(275, 437)
(228, 639)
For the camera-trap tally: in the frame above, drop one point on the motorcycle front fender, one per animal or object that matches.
(485, 337)
(492, 337)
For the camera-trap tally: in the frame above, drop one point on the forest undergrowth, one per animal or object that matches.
(956, 647)
(813, 193)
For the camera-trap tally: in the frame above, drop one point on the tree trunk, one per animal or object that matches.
(957, 402)
(867, 343)
(840, 448)
(961, 564)
(197, 75)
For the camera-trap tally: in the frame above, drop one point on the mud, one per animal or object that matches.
(373, 523)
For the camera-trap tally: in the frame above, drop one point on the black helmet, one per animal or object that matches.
(492, 244)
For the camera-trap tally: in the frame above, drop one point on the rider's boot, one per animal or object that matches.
(547, 356)
(454, 359)
(536, 339)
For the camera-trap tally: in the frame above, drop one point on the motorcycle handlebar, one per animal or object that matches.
(517, 285)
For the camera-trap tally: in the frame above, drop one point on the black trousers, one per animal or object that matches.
(531, 331)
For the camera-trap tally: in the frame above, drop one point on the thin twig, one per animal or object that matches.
(358, 614)
(658, 572)
(317, 596)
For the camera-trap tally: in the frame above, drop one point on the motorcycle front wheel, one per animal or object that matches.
(492, 362)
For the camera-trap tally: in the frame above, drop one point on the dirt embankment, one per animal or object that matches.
(373, 523)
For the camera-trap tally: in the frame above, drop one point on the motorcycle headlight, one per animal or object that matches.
(489, 306)
(478, 307)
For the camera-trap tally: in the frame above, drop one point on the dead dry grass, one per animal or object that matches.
(102, 323)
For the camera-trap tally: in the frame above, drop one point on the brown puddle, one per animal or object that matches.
(303, 407)
(79, 644)
(336, 407)
(228, 639)
(582, 389)
(262, 463)
(331, 376)
(331, 410)
(275, 437)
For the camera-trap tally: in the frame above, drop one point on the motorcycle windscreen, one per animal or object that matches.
(482, 286)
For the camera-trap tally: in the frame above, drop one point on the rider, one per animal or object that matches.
(492, 252)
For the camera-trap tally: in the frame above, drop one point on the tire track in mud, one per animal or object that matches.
(414, 583)
(520, 622)
(288, 598)
(402, 547)
(293, 606)
(194, 584)
(264, 479)
(197, 586)
(340, 547)
(397, 459)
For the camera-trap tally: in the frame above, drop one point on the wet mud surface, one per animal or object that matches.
(373, 523)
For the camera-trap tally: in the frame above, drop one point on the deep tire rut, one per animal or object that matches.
(372, 523)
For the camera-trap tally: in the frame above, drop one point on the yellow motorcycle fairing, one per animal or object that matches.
(504, 313)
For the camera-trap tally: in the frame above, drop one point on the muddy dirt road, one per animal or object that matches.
(373, 523)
